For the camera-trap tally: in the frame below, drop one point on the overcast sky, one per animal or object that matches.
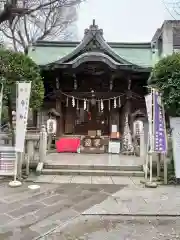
(123, 20)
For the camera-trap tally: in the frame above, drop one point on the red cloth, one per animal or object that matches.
(67, 145)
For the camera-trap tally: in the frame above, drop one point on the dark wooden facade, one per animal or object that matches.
(93, 70)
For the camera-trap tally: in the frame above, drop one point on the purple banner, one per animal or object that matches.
(160, 140)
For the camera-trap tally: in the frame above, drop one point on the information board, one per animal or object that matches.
(7, 160)
(175, 125)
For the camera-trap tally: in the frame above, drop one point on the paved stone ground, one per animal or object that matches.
(138, 200)
(85, 179)
(122, 210)
(26, 214)
(134, 199)
(118, 228)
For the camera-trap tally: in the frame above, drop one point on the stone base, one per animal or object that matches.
(33, 187)
(15, 183)
(151, 184)
(39, 168)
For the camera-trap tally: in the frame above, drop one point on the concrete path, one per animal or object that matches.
(140, 201)
(85, 179)
(118, 228)
(133, 199)
(28, 214)
(31, 214)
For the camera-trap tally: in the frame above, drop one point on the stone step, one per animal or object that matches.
(92, 172)
(93, 167)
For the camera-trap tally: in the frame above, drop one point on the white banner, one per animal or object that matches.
(22, 107)
(148, 99)
(175, 125)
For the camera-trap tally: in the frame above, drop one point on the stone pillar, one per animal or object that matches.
(142, 144)
(43, 144)
(167, 38)
(30, 154)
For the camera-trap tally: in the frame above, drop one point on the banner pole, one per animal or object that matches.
(151, 152)
(164, 154)
(15, 168)
(147, 158)
(151, 184)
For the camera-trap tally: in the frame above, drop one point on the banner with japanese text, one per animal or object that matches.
(159, 127)
(148, 100)
(22, 107)
(175, 126)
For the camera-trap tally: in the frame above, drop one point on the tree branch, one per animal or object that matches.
(46, 19)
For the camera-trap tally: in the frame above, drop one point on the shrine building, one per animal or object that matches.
(94, 84)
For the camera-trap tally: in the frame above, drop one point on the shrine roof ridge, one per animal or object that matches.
(45, 43)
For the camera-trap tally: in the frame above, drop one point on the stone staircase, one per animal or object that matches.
(92, 170)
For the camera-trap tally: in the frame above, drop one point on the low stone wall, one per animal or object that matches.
(32, 145)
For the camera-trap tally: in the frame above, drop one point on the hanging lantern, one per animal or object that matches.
(75, 82)
(77, 107)
(115, 104)
(93, 99)
(67, 100)
(73, 101)
(119, 102)
(85, 105)
(111, 85)
(109, 104)
(102, 105)
(57, 83)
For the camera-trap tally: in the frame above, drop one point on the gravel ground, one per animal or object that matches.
(118, 228)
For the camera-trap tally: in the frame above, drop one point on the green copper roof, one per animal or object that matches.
(141, 56)
(137, 54)
(44, 55)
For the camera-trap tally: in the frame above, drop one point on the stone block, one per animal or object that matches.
(39, 168)
(26, 209)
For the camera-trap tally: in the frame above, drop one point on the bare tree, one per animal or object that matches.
(173, 8)
(38, 20)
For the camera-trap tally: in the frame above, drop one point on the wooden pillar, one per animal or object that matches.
(70, 119)
(60, 123)
(129, 106)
